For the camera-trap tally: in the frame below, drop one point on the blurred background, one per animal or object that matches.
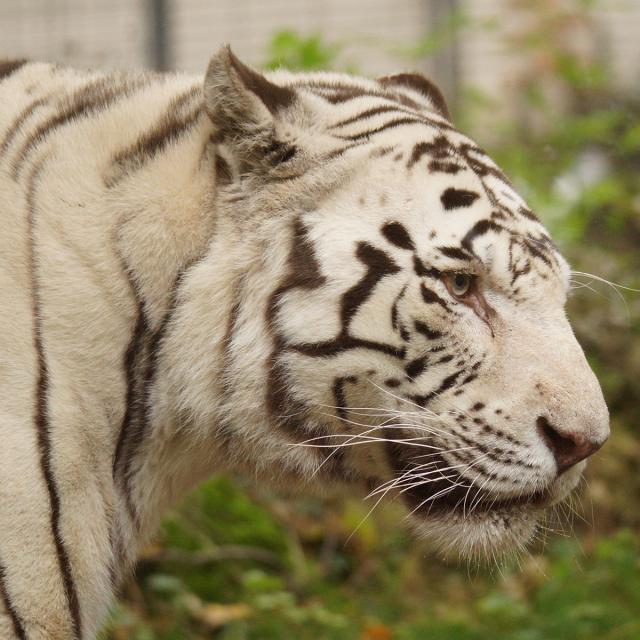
(552, 89)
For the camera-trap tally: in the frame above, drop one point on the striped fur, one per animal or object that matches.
(256, 274)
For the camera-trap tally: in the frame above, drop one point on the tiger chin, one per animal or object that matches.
(312, 279)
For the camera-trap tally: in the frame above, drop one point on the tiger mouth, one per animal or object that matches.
(453, 494)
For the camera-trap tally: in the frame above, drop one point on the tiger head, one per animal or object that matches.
(412, 303)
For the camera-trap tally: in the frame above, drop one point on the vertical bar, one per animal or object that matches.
(446, 62)
(159, 41)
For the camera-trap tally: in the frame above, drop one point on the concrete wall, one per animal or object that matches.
(116, 33)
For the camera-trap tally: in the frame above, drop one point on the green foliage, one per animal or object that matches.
(389, 589)
(292, 51)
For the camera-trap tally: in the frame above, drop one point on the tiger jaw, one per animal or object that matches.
(490, 526)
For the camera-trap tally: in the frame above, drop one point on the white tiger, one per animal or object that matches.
(257, 273)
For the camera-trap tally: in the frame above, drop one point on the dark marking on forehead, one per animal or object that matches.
(455, 253)
(438, 166)
(336, 153)
(393, 383)
(480, 168)
(479, 228)
(392, 124)
(440, 149)
(381, 152)
(397, 235)
(527, 213)
(431, 297)
(458, 198)
(369, 113)
(423, 271)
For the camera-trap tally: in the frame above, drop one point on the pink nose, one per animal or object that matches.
(568, 448)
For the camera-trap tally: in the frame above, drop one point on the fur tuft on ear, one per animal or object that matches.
(237, 98)
(244, 107)
(422, 85)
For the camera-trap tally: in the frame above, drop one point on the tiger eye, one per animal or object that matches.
(460, 284)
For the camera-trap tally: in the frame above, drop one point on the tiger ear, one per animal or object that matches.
(241, 102)
(422, 85)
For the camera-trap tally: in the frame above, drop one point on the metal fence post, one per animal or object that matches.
(159, 51)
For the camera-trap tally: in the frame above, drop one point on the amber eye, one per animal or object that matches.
(459, 284)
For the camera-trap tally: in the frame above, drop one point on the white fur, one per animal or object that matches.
(105, 238)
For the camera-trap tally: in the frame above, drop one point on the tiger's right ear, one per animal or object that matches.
(240, 101)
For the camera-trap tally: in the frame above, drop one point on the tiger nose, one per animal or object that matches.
(567, 448)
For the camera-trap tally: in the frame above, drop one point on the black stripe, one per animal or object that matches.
(439, 148)
(396, 234)
(332, 348)
(430, 334)
(394, 307)
(455, 253)
(418, 83)
(17, 124)
(41, 413)
(169, 128)
(480, 168)
(479, 229)
(141, 361)
(135, 354)
(423, 271)
(458, 198)
(339, 395)
(94, 97)
(369, 113)
(379, 265)
(398, 122)
(9, 67)
(527, 213)
(286, 412)
(431, 297)
(336, 153)
(438, 166)
(16, 620)
(445, 385)
(414, 368)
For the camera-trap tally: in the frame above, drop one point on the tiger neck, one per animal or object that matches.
(165, 236)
